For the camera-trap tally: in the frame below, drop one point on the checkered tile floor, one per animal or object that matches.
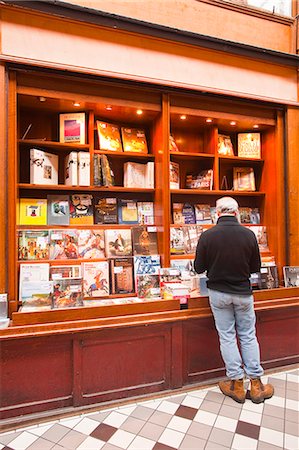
(197, 419)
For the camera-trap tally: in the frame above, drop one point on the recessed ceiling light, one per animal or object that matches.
(256, 126)
(77, 104)
(209, 120)
(109, 108)
(42, 99)
(233, 122)
(183, 117)
(139, 112)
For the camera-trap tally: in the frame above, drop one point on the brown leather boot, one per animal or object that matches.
(259, 391)
(234, 389)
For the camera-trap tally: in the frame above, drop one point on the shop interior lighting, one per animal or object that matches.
(183, 117)
(139, 112)
(76, 104)
(233, 123)
(256, 126)
(42, 99)
(209, 120)
(108, 108)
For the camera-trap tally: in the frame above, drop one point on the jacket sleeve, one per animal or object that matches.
(200, 261)
(255, 260)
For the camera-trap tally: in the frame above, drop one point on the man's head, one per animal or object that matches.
(227, 206)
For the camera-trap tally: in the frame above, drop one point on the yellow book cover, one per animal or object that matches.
(33, 211)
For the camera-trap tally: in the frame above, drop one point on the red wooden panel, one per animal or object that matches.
(125, 362)
(36, 374)
(202, 360)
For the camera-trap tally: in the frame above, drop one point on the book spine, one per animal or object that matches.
(84, 169)
(150, 175)
(71, 169)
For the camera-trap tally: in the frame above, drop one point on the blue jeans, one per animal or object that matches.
(234, 316)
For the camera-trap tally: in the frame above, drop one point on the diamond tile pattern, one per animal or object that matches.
(201, 419)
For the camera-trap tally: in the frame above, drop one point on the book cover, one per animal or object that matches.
(72, 128)
(83, 169)
(81, 209)
(33, 272)
(32, 211)
(269, 277)
(95, 279)
(261, 236)
(188, 213)
(109, 136)
(65, 271)
(203, 214)
(118, 242)
(135, 175)
(214, 214)
(188, 275)
(71, 169)
(225, 146)
(148, 286)
(249, 145)
(169, 275)
(127, 211)
(134, 140)
(147, 265)
(43, 167)
(67, 293)
(91, 244)
(150, 175)
(203, 180)
(122, 279)
(37, 293)
(33, 244)
(97, 171)
(177, 244)
(255, 217)
(58, 210)
(245, 215)
(64, 244)
(145, 241)
(191, 235)
(107, 172)
(174, 175)
(291, 276)
(177, 213)
(145, 211)
(105, 210)
(244, 179)
(172, 144)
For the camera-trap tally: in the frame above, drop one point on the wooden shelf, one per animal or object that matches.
(63, 187)
(191, 155)
(84, 227)
(125, 154)
(53, 144)
(240, 159)
(212, 192)
(184, 256)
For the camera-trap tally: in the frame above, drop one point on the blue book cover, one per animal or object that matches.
(127, 212)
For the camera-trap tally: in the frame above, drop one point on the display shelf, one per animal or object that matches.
(240, 159)
(125, 155)
(217, 192)
(53, 144)
(62, 187)
(97, 226)
(190, 155)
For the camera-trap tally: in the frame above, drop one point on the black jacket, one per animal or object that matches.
(229, 253)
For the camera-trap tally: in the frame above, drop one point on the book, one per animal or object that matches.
(291, 276)
(261, 236)
(43, 167)
(107, 172)
(188, 274)
(150, 175)
(67, 293)
(72, 128)
(37, 293)
(145, 212)
(81, 209)
(91, 244)
(177, 291)
(172, 144)
(203, 180)
(149, 264)
(174, 175)
(95, 279)
(97, 171)
(225, 146)
(65, 271)
(122, 280)
(244, 179)
(83, 168)
(109, 136)
(134, 140)
(169, 275)
(33, 244)
(183, 213)
(71, 169)
(105, 210)
(127, 211)
(118, 242)
(148, 286)
(203, 214)
(269, 277)
(249, 145)
(58, 210)
(32, 211)
(249, 215)
(135, 174)
(144, 240)
(214, 214)
(32, 273)
(177, 244)
(64, 244)
(191, 235)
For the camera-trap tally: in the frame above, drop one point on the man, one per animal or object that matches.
(229, 253)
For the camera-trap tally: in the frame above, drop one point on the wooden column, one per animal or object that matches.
(3, 181)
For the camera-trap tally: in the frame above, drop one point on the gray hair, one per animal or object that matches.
(226, 205)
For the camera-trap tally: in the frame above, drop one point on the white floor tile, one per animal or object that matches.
(254, 407)
(200, 394)
(122, 439)
(23, 441)
(293, 377)
(171, 438)
(91, 443)
(276, 401)
(115, 419)
(71, 422)
(168, 407)
(86, 425)
(291, 442)
(271, 436)
(179, 424)
(226, 423)
(279, 376)
(40, 430)
(292, 404)
(153, 404)
(251, 417)
(244, 443)
(193, 402)
(127, 409)
(205, 417)
(1, 446)
(141, 443)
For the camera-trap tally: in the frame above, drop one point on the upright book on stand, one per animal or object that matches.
(58, 210)
(72, 128)
(134, 140)
(109, 136)
(249, 145)
(122, 280)
(71, 169)
(32, 211)
(43, 167)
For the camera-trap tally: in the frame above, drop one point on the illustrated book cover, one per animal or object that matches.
(147, 265)
(67, 293)
(203, 180)
(105, 210)
(188, 275)
(109, 136)
(145, 211)
(249, 145)
(71, 169)
(83, 168)
(64, 244)
(107, 172)
(65, 271)
(33, 244)
(244, 179)
(134, 140)
(32, 272)
(91, 244)
(95, 279)
(97, 170)
(147, 278)
(225, 146)
(72, 128)
(269, 277)
(81, 209)
(249, 215)
(145, 240)
(127, 211)
(174, 175)
(37, 293)
(135, 174)
(118, 242)
(58, 210)
(203, 214)
(43, 167)
(177, 244)
(122, 280)
(33, 211)
(261, 236)
(172, 144)
(291, 276)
